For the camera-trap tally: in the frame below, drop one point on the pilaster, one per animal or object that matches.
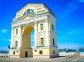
(36, 30)
(20, 36)
(47, 35)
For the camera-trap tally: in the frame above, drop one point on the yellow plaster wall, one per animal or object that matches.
(27, 30)
(26, 39)
(46, 51)
(29, 53)
(16, 55)
(16, 52)
(26, 42)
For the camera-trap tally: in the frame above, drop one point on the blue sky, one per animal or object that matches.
(69, 25)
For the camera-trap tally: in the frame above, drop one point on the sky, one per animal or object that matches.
(69, 24)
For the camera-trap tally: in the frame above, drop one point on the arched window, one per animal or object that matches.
(29, 11)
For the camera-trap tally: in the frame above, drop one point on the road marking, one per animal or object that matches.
(76, 59)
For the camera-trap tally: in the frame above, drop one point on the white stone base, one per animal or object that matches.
(14, 56)
(41, 56)
(44, 56)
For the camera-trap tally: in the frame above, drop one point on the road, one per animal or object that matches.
(59, 59)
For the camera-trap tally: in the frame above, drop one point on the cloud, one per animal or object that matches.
(76, 31)
(81, 0)
(69, 34)
(72, 31)
(70, 9)
(3, 31)
(78, 0)
(5, 39)
(63, 37)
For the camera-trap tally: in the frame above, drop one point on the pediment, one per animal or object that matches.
(32, 9)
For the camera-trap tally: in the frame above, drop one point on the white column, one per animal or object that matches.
(20, 36)
(36, 28)
(47, 35)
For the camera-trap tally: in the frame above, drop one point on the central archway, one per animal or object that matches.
(26, 49)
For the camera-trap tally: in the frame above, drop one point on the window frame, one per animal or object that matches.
(53, 41)
(52, 27)
(16, 31)
(54, 52)
(42, 41)
(14, 52)
(35, 50)
(40, 52)
(41, 26)
(16, 43)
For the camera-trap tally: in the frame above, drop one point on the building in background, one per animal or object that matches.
(4, 53)
(81, 52)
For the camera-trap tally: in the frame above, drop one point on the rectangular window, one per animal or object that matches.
(13, 52)
(16, 43)
(53, 51)
(35, 50)
(42, 41)
(53, 41)
(16, 31)
(41, 26)
(40, 52)
(52, 27)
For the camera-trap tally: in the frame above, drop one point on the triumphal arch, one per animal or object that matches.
(39, 18)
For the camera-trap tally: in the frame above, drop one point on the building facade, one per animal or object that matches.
(39, 18)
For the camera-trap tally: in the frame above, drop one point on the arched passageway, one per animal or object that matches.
(26, 49)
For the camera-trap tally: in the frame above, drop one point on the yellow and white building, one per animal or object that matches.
(39, 18)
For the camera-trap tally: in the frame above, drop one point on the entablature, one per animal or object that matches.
(34, 19)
